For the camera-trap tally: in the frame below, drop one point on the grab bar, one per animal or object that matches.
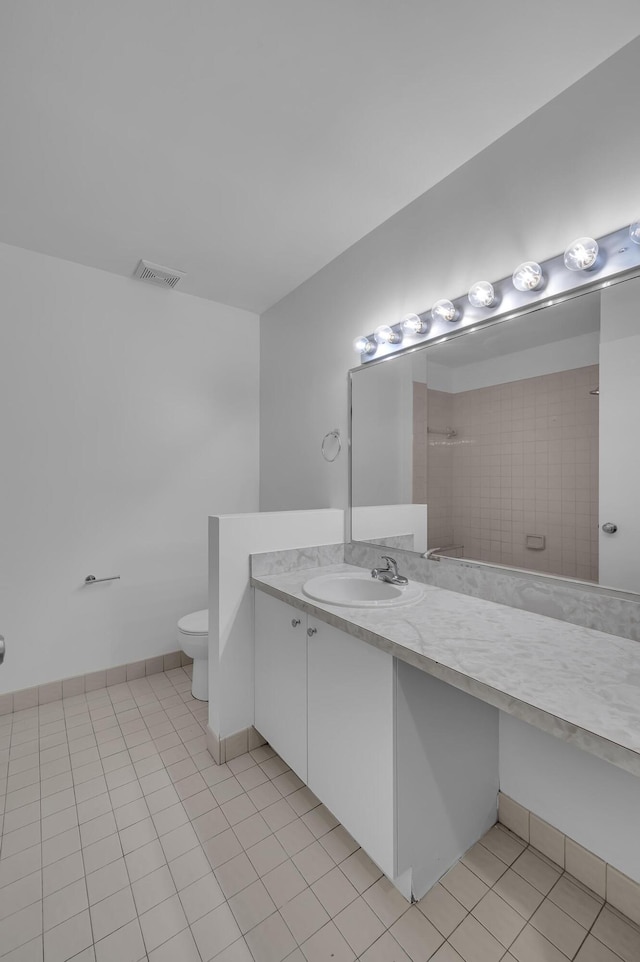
(92, 580)
(434, 554)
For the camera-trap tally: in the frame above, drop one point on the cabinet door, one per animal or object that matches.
(351, 737)
(281, 679)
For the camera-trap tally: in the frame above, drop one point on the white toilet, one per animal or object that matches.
(193, 638)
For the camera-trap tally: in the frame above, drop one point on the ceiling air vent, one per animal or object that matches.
(154, 274)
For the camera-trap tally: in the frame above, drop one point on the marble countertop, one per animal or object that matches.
(576, 683)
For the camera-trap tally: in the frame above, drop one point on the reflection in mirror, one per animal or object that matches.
(496, 431)
(512, 442)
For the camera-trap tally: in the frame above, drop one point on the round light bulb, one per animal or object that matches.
(413, 324)
(482, 294)
(581, 254)
(444, 310)
(527, 277)
(386, 335)
(634, 232)
(363, 345)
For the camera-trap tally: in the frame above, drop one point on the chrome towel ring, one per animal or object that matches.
(331, 444)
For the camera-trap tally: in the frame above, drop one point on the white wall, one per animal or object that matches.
(128, 415)
(231, 540)
(568, 170)
(594, 803)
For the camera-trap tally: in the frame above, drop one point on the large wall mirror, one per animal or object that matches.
(512, 444)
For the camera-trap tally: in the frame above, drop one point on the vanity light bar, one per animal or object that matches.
(586, 264)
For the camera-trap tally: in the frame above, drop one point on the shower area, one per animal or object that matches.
(510, 471)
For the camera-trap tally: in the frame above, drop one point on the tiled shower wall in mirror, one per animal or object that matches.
(497, 464)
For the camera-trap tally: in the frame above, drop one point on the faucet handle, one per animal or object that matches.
(392, 564)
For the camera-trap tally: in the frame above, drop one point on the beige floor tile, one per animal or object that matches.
(107, 881)
(499, 918)
(484, 864)
(252, 830)
(236, 874)
(221, 848)
(283, 883)
(169, 818)
(198, 804)
(267, 854)
(386, 949)
(238, 808)
(539, 873)
(559, 928)
(18, 866)
(68, 939)
(532, 946)
(97, 828)
(287, 783)
(211, 823)
(215, 931)
(162, 922)
(20, 894)
(30, 952)
(181, 948)
(226, 790)
(152, 889)
(442, 909)
(339, 844)
(385, 900)
(594, 951)
(295, 837)
(239, 952)
(320, 821)
(464, 885)
(335, 891)
(619, 935)
(360, 870)
(518, 893)
(112, 913)
(265, 795)
(93, 808)
(188, 868)
(178, 841)
(575, 901)
(251, 906)
(327, 945)
(279, 814)
(123, 945)
(59, 822)
(313, 862)
(304, 915)
(64, 904)
(447, 953)
(137, 836)
(474, 943)
(22, 926)
(271, 940)
(359, 924)
(60, 846)
(200, 897)
(417, 936)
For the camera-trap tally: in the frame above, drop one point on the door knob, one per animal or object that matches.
(1, 649)
(609, 527)
(295, 622)
(312, 631)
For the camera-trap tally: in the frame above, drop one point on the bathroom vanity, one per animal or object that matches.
(390, 715)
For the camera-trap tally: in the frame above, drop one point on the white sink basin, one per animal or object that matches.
(359, 591)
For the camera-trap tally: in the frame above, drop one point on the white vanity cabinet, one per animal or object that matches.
(407, 763)
(281, 679)
(351, 737)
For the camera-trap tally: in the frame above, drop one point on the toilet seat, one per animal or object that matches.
(197, 623)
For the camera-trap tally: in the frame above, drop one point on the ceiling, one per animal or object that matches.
(248, 142)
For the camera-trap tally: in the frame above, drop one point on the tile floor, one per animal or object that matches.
(122, 841)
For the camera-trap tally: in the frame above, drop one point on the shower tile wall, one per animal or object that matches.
(433, 459)
(524, 462)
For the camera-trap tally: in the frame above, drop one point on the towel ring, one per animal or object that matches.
(331, 436)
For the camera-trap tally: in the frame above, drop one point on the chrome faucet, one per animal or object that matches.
(390, 573)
